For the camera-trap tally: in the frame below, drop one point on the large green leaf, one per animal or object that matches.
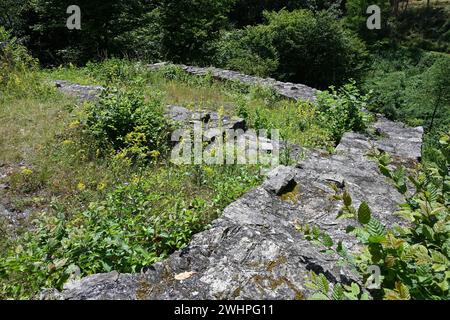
(364, 213)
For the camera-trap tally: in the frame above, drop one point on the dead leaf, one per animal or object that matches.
(184, 275)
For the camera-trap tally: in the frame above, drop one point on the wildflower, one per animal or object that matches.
(81, 186)
(136, 180)
(101, 186)
(27, 172)
(67, 142)
(155, 154)
(208, 170)
(74, 124)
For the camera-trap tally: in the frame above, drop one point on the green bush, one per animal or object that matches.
(249, 51)
(299, 46)
(189, 27)
(124, 119)
(251, 12)
(14, 59)
(342, 110)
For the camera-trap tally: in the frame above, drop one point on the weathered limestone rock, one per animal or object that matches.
(286, 89)
(280, 180)
(208, 120)
(398, 139)
(79, 91)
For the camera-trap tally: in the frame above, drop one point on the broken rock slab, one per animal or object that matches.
(82, 92)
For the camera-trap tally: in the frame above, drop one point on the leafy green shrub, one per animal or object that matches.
(414, 260)
(124, 119)
(251, 12)
(188, 28)
(299, 46)
(250, 51)
(14, 59)
(342, 110)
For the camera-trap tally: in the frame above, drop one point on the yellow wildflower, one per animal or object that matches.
(27, 172)
(81, 186)
(101, 186)
(74, 124)
(67, 142)
(155, 153)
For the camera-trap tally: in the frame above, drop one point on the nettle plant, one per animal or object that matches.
(413, 259)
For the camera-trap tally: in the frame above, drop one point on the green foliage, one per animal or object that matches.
(342, 110)
(188, 27)
(14, 59)
(104, 32)
(251, 12)
(250, 51)
(423, 27)
(137, 224)
(397, 176)
(125, 120)
(414, 260)
(116, 71)
(10, 15)
(304, 47)
(413, 87)
(324, 291)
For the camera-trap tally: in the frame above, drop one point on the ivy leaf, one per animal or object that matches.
(364, 213)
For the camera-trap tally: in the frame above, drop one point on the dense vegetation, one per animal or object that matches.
(96, 176)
